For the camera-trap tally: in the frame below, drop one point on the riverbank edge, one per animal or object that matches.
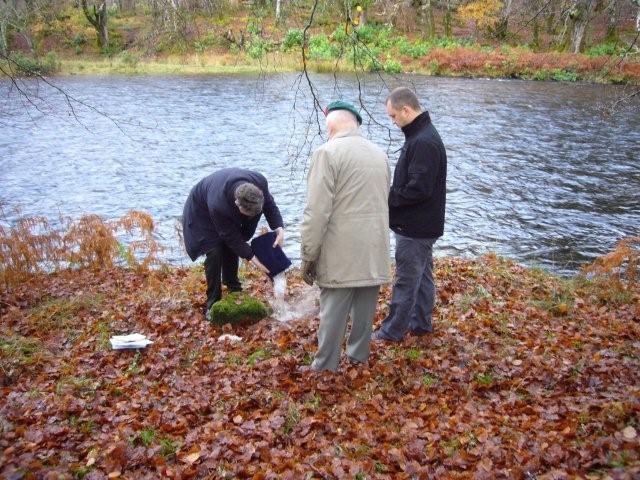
(234, 64)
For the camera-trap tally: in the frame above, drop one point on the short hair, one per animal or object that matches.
(250, 198)
(402, 96)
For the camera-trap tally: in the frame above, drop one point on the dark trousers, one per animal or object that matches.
(220, 263)
(414, 290)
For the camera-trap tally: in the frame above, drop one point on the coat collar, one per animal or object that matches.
(354, 132)
(421, 121)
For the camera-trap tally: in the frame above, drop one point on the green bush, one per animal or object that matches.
(374, 35)
(79, 40)
(541, 75)
(292, 39)
(321, 49)
(413, 50)
(259, 47)
(604, 49)
(564, 76)
(237, 308)
(128, 60)
(339, 35)
(392, 67)
(33, 67)
(210, 40)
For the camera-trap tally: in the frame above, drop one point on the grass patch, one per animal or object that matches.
(429, 380)
(255, 357)
(22, 350)
(54, 314)
(134, 367)
(413, 354)
(145, 437)
(485, 379)
(313, 403)
(168, 448)
(291, 420)
(80, 386)
(232, 360)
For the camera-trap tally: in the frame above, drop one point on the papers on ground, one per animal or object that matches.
(133, 340)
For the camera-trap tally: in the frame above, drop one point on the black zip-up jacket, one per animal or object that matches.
(418, 192)
(211, 216)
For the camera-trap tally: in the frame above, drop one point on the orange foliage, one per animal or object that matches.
(619, 267)
(34, 245)
(484, 13)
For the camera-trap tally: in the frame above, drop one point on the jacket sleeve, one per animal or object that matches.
(230, 234)
(422, 174)
(271, 211)
(317, 212)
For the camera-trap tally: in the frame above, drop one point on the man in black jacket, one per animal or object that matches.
(220, 216)
(416, 215)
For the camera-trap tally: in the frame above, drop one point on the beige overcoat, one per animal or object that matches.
(345, 228)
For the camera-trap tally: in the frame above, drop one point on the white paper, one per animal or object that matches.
(228, 336)
(133, 340)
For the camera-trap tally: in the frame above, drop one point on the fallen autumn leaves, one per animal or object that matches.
(526, 376)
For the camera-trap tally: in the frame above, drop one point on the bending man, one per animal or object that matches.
(220, 216)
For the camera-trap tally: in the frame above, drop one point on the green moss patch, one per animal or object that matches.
(238, 308)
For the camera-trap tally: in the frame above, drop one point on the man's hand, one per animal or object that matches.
(259, 264)
(308, 272)
(279, 237)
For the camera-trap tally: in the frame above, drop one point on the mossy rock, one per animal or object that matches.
(238, 308)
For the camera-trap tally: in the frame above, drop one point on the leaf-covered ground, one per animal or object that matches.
(526, 376)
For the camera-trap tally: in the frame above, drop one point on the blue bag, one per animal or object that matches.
(274, 259)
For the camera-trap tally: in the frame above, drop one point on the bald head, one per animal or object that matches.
(340, 121)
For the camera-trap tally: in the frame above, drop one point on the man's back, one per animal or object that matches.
(346, 218)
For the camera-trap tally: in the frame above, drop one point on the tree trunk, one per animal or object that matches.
(613, 14)
(447, 19)
(3, 36)
(127, 6)
(431, 24)
(535, 42)
(278, 10)
(98, 18)
(363, 18)
(580, 15)
(502, 27)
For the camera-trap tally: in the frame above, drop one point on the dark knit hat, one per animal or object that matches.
(340, 105)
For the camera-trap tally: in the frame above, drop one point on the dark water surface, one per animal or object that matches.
(536, 173)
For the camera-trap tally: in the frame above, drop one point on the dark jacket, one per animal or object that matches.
(418, 192)
(211, 216)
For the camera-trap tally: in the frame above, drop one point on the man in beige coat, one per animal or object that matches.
(345, 235)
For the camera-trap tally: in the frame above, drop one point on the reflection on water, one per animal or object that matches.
(535, 172)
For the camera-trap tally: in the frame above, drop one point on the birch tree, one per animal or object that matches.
(580, 14)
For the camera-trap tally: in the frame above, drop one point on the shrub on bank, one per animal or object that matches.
(32, 67)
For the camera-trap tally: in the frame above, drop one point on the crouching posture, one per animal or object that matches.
(345, 237)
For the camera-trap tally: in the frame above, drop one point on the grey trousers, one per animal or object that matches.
(414, 290)
(336, 305)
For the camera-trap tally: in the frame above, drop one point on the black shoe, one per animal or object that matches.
(377, 337)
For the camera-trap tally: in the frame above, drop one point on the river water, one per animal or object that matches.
(536, 172)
